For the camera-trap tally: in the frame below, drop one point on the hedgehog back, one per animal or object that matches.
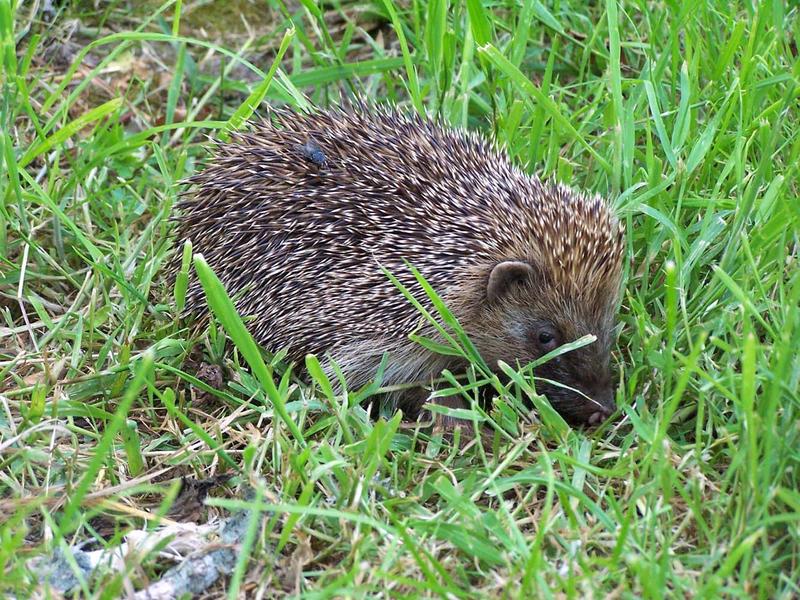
(299, 244)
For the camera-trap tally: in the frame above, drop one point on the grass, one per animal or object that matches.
(685, 114)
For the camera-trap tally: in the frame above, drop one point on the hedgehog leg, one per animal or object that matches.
(447, 425)
(412, 403)
(446, 421)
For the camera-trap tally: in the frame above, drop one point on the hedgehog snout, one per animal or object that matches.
(597, 418)
(588, 402)
(603, 396)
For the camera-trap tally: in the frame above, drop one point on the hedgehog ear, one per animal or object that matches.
(506, 275)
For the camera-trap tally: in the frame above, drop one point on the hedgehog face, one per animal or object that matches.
(589, 395)
(524, 320)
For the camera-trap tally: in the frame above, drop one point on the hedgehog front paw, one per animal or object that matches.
(447, 425)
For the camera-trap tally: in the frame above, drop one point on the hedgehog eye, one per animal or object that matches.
(547, 339)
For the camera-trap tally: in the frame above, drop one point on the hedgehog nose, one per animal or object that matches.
(605, 405)
(598, 417)
(605, 396)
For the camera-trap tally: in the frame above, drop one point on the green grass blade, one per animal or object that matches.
(223, 308)
(532, 92)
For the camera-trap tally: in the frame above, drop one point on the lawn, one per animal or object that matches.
(140, 450)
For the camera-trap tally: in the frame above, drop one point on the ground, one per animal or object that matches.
(120, 423)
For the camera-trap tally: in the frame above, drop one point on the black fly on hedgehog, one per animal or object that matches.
(298, 215)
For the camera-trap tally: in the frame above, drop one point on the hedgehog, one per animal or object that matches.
(301, 215)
